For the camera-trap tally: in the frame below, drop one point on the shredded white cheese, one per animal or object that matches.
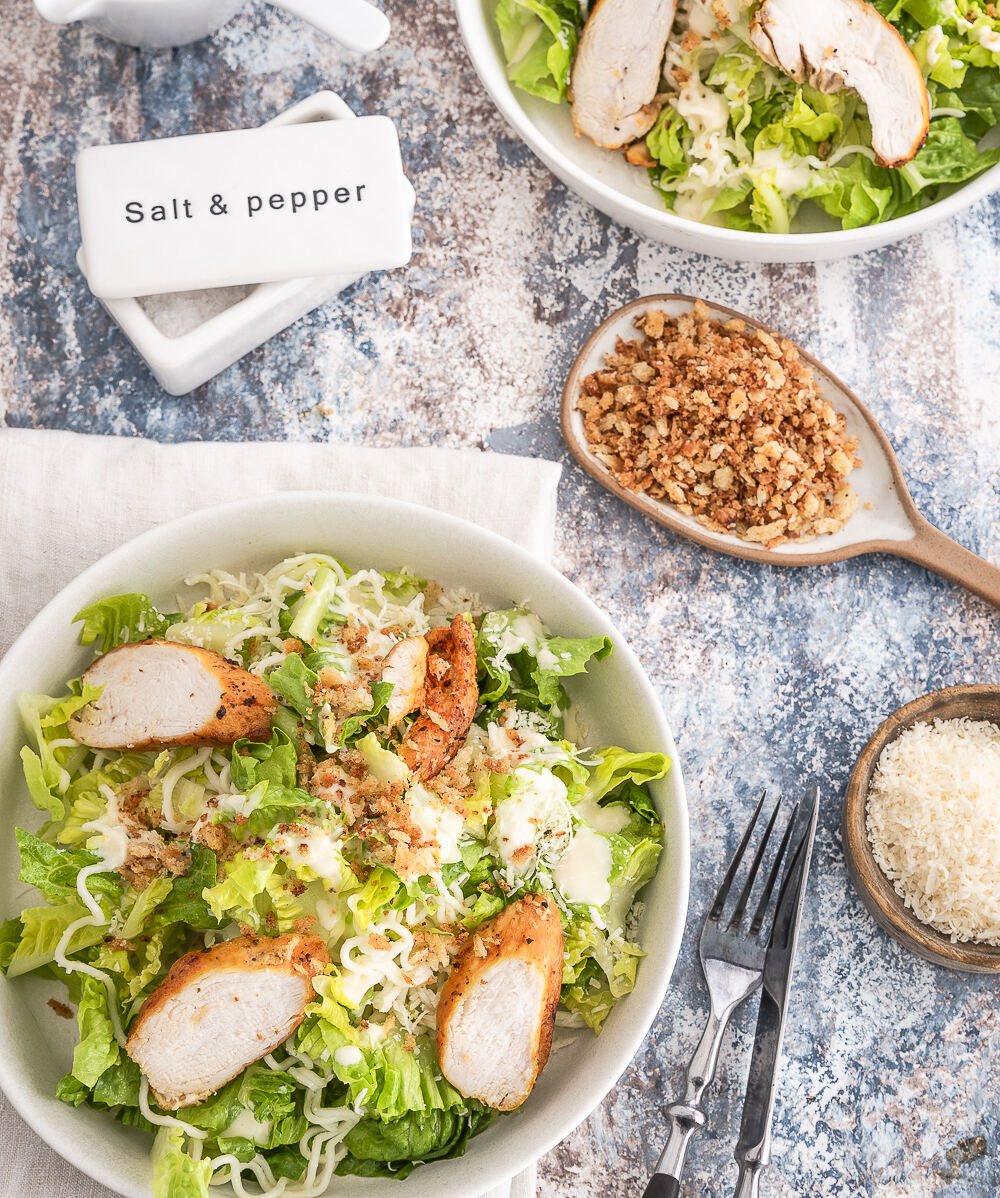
(933, 819)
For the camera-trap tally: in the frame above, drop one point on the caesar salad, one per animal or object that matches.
(326, 857)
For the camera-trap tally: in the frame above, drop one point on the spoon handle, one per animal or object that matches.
(938, 552)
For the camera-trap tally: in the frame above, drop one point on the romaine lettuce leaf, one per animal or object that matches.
(356, 725)
(314, 606)
(394, 1147)
(54, 871)
(600, 961)
(617, 766)
(120, 619)
(274, 760)
(43, 928)
(186, 903)
(145, 902)
(215, 628)
(47, 771)
(97, 1048)
(948, 155)
(518, 660)
(287, 1161)
(235, 895)
(539, 41)
(296, 684)
(175, 1174)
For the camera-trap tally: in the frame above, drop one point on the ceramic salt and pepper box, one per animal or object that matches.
(201, 248)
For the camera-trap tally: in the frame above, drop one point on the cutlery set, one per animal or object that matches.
(740, 953)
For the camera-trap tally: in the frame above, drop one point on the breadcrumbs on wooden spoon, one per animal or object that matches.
(725, 423)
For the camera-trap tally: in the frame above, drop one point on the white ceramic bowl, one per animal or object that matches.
(604, 179)
(615, 698)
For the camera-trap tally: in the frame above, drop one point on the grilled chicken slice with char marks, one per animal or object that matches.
(405, 666)
(616, 72)
(496, 1011)
(218, 1011)
(162, 693)
(832, 44)
(450, 697)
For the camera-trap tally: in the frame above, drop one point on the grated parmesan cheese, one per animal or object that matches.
(933, 820)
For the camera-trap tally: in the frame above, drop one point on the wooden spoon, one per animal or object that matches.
(886, 521)
(977, 702)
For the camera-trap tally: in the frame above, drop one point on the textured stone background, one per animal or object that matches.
(768, 677)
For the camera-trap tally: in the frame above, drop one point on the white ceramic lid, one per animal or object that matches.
(249, 206)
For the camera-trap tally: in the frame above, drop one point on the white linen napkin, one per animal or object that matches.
(67, 499)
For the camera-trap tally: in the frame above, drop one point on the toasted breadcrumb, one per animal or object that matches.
(725, 423)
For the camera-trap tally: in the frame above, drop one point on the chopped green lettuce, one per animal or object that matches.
(539, 41)
(186, 903)
(235, 895)
(394, 1147)
(175, 1173)
(120, 620)
(43, 929)
(48, 769)
(600, 960)
(97, 1049)
(519, 661)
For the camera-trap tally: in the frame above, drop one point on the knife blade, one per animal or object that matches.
(753, 1149)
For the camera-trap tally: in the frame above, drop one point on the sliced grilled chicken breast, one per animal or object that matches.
(450, 697)
(617, 68)
(498, 1006)
(405, 666)
(218, 1011)
(161, 693)
(833, 44)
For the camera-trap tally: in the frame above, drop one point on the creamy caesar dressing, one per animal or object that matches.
(608, 819)
(314, 847)
(524, 631)
(330, 919)
(437, 822)
(109, 838)
(935, 45)
(788, 172)
(583, 870)
(989, 39)
(246, 1127)
(537, 807)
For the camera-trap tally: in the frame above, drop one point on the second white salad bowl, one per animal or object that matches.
(604, 179)
(615, 699)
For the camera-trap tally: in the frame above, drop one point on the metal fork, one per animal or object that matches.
(732, 960)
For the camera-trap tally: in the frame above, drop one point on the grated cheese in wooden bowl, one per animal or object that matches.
(933, 820)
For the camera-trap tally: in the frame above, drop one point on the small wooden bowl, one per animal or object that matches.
(978, 702)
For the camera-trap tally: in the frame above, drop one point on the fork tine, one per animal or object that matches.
(727, 881)
(758, 917)
(744, 898)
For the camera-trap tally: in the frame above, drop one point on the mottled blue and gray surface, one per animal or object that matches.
(768, 677)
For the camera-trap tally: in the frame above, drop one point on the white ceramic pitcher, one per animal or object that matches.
(156, 24)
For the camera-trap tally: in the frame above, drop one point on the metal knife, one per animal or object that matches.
(753, 1149)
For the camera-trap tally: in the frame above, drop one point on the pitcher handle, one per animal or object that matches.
(356, 24)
